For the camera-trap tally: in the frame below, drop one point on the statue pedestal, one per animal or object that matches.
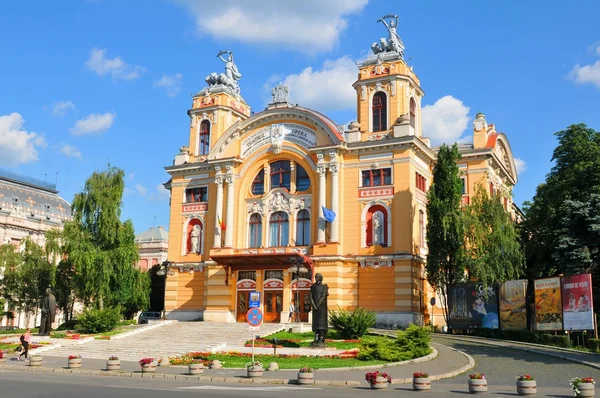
(315, 344)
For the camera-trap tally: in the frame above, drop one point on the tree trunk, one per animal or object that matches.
(100, 303)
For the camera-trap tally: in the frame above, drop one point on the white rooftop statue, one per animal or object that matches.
(393, 43)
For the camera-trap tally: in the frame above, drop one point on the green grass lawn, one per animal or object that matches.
(289, 362)
(296, 340)
(18, 331)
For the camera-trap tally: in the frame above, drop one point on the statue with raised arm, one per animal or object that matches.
(320, 317)
(231, 70)
(394, 43)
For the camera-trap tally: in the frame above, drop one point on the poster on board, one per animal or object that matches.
(578, 311)
(473, 306)
(513, 305)
(548, 304)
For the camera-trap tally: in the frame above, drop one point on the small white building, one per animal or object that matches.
(152, 247)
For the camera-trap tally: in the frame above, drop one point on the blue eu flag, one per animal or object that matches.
(329, 215)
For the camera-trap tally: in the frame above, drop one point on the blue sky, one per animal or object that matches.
(84, 83)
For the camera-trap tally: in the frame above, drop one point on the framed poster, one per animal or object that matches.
(548, 304)
(513, 305)
(472, 305)
(459, 316)
(578, 306)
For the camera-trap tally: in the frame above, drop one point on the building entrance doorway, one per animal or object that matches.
(243, 298)
(303, 305)
(273, 305)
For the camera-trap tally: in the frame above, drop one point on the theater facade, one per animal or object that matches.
(260, 202)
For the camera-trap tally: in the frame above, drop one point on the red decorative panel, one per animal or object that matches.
(246, 284)
(375, 192)
(192, 207)
(273, 284)
(303, 284)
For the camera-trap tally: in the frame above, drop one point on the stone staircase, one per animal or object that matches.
(165, 339)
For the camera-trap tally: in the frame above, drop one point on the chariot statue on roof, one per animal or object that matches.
(393, 42)
(230, 77)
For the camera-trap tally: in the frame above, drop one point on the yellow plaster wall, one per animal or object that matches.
(376, 288)
(190, 291)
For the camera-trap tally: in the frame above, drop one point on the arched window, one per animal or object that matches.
(377, 226)
(302, 179)
(421, 228)
(258, 185)
(279, 229)
(255, 230)
(280, 174)
(413, 111)
(379, 110)
(204, 138)
(303, 228)
(194, 237)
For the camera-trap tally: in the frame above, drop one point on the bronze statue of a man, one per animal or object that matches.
(318, 302)
(48, 313)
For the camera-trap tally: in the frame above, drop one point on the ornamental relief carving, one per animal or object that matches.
(278, 200)
(373, 202)
(376, 262)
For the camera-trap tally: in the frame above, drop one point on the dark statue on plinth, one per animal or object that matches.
(48, 313)
(320, 318)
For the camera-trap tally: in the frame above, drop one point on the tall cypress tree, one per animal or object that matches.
(445, 233)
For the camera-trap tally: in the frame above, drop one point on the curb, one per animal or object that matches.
(495, 343)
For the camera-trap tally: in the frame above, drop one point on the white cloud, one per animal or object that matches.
(587, 73)
(520, 165)
(18, 145)
(95, 123)
(70, 151)
(445, 121)
(60, 109)
(115, 67)
(171, 83)
(142, 190)
(598, 50)
(308, 26)
(329, 88)
(160, 194)
(130, 176)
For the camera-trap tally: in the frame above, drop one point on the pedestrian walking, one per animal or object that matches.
(25, 340)
(292, 312)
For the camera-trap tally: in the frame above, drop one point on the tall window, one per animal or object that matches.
(463, 181)
(280, 174)
(421, 182)
(302, 179)
(492, 192)
(303, 228)
(255, 230)
(204, 146)
(379, 110)
(196, 195)
(422, 228)
(279, 229)
(376, 177)
(258, 185)
(413, 112)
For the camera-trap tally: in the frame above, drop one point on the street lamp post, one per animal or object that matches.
(164, 271)
(297, 267)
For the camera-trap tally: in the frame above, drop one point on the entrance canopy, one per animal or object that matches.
(261, 261)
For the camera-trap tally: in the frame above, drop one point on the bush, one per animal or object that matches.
(594, 344)
(98, 321)
(128, 322)
(409, 344)
(352, 325)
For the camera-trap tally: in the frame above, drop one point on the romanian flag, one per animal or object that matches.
(221, 223)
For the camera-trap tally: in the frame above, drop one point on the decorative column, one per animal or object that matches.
(335, 202)
(230, 179)
(219, 211)
(322, 170)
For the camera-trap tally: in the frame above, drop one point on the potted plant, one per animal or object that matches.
(306, 375)
(113, 363)
(254, 369)
(196, 368)
(421, 381)
(378, 380)
(215, 364)
(583, 386)
(477, 383)
(2, 357)
(148, 365)
(526, 385)
(74, 361)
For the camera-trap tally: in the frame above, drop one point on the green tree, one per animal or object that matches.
(445, 232)
(99, 245)
(492, 242)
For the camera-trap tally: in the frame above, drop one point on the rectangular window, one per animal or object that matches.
(274, 275)
(492, 189)
(421, 182)
(196, 195)
(463, 181)
(247, 275)
(376, 177)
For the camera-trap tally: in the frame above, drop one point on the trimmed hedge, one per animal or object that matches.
(594, 344)
(525, 336)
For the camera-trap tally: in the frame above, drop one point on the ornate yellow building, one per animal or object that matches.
(251, 192)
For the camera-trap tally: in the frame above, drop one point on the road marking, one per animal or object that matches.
(249, 388)
(142, 388)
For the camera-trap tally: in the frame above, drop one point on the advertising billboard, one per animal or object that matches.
(548, 304)
(513, 305)
(578, 311)
(473, 306)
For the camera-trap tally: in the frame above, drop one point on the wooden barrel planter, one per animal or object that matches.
(380, 383)
(113, 364)
(254, 373)
(35, 360)
(586, 390)
(421, 383)
(306, 378)
(477, 386)
(196, 369)
(149, 367)
(74, 363)
(526, 387)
